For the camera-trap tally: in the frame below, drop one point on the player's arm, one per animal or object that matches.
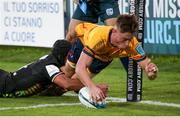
(140, 57)
(150, 68)
(68, 84)
(81, 70)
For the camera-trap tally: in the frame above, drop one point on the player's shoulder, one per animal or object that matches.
(84, 27)
(102, 32)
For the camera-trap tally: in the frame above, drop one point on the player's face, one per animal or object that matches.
(121, 40)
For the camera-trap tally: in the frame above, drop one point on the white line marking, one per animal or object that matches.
(109, 99)
(114, 99)
(39, 106)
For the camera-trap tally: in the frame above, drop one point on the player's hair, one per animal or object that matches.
(127, 23)
(60, 50)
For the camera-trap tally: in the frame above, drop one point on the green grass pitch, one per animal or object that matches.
(165, 89)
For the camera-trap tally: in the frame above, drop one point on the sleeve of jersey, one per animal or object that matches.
(52, 72)
(137, 52)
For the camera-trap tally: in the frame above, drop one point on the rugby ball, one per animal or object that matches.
(85, 99)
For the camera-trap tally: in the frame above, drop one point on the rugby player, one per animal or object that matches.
(96, 46)
(92, 10)
(40, 75)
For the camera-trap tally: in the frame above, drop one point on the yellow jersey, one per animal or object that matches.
(96, 42)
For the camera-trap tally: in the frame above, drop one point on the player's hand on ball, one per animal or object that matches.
(104, 88)
(151, 70)
(96, 94)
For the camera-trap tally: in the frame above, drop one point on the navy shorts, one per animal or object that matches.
(74, 54)
(103, 9)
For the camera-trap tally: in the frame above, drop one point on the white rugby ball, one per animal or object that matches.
(85, 99)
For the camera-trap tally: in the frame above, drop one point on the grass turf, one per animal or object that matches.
(166, 88)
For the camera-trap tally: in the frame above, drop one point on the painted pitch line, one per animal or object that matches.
(158, 103)
(39, 106)
(109, 99)
(115, 99)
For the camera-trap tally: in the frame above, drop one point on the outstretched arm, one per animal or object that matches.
(81, 70)
(150, 68)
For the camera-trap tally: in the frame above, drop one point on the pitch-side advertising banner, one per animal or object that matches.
(31, 22)
(162, 25)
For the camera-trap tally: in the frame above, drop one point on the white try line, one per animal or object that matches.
(109, 99)
(39, 106)
(158, 103)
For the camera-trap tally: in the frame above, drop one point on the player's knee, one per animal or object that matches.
(70, 35)
(111, 21)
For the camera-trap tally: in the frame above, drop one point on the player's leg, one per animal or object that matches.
(78, 17)
(71, 29)
(108, 10)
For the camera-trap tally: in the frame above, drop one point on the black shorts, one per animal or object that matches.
(103, 9)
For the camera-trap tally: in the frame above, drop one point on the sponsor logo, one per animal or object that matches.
(140, 50)
(109, 11)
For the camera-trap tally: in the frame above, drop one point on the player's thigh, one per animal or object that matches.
(71, 30)
(109, 10)
(89, 16)
(110, 21)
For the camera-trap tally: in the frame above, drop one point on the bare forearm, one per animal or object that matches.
(84, 77)
(67, 83)
(81, 70)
